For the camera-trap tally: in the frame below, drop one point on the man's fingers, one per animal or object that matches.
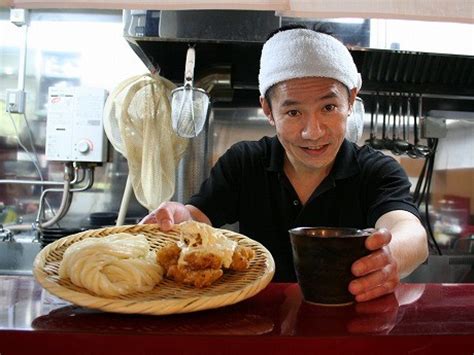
(162, 216)
(370, 263)
(386, 288)
(148, 219)
(379, 282)
(378, 239)
(165, 224)
(168, 214)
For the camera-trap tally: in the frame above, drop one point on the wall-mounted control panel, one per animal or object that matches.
(74, 126)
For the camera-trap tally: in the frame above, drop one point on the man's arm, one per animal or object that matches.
(398, 246)
(409, 245)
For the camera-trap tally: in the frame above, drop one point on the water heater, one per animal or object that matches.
(74, 126)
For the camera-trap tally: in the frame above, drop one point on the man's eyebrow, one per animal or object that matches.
(291, 102)
(329, 95)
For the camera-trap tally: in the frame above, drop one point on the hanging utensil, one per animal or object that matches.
(412, 153)
(189, 105)
(422, 150)
(395, 130)
(371, 135)
(377, 143)
(400, 146)
(387, 142)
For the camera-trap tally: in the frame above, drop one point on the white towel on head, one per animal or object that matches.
(300, 53)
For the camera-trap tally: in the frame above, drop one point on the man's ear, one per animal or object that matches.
(267, 110)
(352, 96)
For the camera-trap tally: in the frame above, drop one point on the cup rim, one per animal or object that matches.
(345, 231)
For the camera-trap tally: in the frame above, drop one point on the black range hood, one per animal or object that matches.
(229, 42)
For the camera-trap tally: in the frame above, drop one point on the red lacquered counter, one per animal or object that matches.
(418, 319)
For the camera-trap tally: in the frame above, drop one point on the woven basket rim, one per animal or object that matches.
(259, 278)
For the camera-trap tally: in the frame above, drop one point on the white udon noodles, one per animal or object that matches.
(111, 266)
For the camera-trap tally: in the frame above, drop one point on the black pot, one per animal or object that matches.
(49, 235)
(102, 219)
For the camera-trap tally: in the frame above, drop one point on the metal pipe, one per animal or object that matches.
(66, 200)
(63, 205)
(75, 180)
(89, 172)
(31, 182)
(19, 227)
(90, 181)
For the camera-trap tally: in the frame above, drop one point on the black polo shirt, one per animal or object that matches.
(248, 185)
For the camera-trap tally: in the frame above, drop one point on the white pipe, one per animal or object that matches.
(127, 193)
(22, 63)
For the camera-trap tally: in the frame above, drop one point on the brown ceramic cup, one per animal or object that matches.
(322, 257)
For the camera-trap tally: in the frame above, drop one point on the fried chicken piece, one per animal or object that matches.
(168, 255)
(201, 261)
(196, 278)
(241, 258)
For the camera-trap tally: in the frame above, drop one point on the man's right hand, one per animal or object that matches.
(168, 214)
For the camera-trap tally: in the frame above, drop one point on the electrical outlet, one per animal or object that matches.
(15, 101)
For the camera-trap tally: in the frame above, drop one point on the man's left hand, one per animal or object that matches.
(377, 273)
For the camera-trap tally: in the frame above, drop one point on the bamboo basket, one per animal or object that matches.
(168, 297)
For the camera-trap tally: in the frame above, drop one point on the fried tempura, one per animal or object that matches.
(196, 278)
(201, 260)
(168, 255)
(241, 258)
(201, 256)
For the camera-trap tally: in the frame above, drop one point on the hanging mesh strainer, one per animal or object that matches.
(189, 105)
(137, 121)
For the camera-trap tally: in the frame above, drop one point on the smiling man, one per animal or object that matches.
(309, 174)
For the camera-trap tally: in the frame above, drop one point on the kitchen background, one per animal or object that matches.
(100, 49)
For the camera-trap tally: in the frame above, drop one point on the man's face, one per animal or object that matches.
(310, 116)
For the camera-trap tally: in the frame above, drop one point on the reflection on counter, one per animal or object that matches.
(378, 316)
(279, 310)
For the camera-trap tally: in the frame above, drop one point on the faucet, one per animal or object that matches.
(6, 235)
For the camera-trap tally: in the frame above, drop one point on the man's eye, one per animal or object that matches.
(329, 108)
(293, 113)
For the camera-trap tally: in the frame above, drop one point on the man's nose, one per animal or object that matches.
(313, 128)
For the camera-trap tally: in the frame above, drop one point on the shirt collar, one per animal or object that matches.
(276, 157)
(346, 163)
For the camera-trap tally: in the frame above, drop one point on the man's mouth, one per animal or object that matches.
(315, 149)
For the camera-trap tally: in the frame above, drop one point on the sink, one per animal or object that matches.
(17, 258)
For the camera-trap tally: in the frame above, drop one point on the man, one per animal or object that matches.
(309, 175)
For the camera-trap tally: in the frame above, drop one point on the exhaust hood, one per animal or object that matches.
(232, 40)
